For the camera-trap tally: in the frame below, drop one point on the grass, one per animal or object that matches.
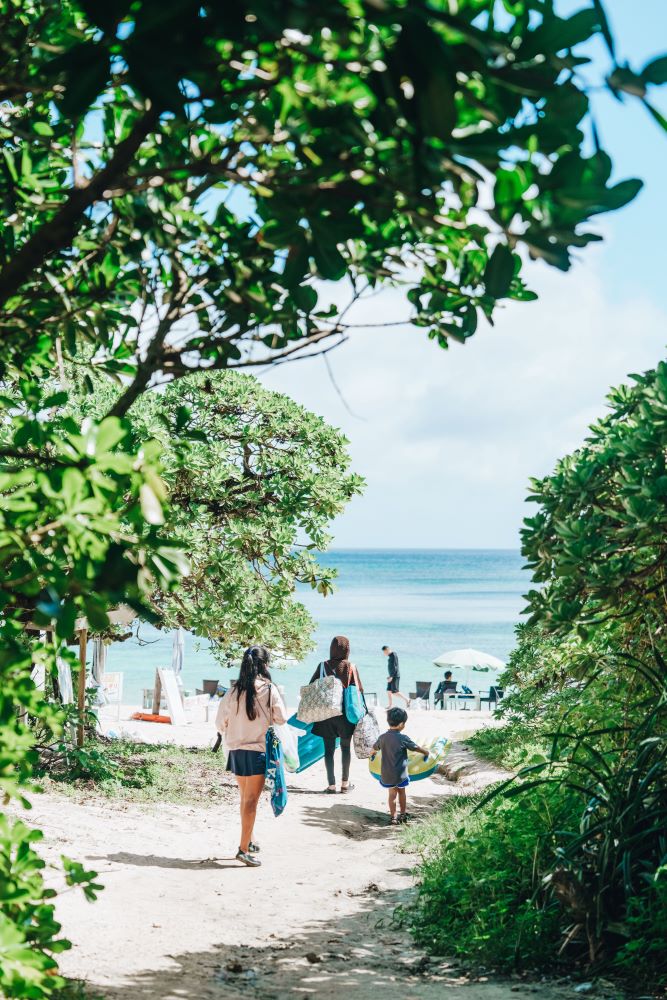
(480, 874)
(141, 772)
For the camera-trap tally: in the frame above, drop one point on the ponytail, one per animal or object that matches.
(255, 663)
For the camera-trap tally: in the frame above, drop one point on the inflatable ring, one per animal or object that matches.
(418, 768)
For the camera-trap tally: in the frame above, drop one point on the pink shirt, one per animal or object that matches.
(242, 733)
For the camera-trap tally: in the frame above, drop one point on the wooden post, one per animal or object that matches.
(157, 693)
(83, 642)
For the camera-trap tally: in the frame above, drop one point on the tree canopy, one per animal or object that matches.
(597, 542)
(176, 178)
(253, 481)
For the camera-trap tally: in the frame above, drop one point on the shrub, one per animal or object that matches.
(481, 893)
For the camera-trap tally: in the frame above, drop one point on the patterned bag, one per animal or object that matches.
(323, 699)
(366, 734)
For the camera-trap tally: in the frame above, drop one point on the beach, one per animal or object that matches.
(179, 917)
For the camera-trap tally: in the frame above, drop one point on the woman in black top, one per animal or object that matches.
(338, 727)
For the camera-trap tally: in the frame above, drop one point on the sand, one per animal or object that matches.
(180, 918)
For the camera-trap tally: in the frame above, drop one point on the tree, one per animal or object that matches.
(597, 543)
(177, 180)
(253, 481)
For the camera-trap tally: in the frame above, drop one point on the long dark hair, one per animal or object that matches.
(255, 663)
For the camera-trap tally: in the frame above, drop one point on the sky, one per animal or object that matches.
(448, 440)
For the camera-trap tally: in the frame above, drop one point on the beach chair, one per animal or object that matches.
(495, 695)
(423, 693)
(208, 687)
(444, 691)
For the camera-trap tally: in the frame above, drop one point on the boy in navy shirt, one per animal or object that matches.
(394, 774)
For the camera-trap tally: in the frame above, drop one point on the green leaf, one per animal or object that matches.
(305, 296)
(656, 71)
(499, 272)
(330, 262)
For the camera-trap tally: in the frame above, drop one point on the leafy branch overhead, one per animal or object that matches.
(177, 177)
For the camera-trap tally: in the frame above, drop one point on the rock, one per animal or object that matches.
(234, 966)
(583, 988)
(313, 958)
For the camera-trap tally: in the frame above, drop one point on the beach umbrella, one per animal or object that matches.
(97, 670)
(472, 658)
(177, 651)
(468, 660)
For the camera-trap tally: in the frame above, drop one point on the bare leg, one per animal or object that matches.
(390, 697)
(250, 789)
(406, 700)
(402, 800)
(392, 801)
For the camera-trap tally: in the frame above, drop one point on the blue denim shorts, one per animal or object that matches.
(403, 784)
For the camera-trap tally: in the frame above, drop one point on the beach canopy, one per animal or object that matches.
(471, 659)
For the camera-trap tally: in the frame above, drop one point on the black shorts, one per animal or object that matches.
(246, 763)
(393, 685)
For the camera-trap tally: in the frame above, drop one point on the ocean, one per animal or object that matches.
(418, 602)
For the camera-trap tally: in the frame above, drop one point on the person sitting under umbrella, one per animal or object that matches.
(445, 686)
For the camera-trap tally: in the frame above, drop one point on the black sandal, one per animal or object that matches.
(253, 848)
(346, 788)
(330, 791)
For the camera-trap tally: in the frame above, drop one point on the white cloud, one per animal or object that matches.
(450, 438)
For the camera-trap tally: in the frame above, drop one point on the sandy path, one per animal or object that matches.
(179, 918)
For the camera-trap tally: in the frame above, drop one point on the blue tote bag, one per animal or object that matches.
(275, 772)
(275, 768)
(354, 707)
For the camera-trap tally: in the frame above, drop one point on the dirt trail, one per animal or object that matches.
(179, 918)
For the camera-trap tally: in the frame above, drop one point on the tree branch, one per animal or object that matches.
(60, 230)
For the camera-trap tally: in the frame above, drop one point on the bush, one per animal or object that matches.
(481, 894)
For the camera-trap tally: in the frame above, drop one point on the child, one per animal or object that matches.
(394, 775)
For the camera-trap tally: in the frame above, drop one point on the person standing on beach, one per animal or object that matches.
(249, 707)
(339, 727)
(393, 676)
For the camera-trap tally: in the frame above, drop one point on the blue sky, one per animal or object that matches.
(448, 440)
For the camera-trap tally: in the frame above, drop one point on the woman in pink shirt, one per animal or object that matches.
(251, 705)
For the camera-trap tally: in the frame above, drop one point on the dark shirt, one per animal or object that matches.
(392, 665)
(394, 747)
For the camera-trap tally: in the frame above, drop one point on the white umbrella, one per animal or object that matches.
(472, 658)
(469, 659)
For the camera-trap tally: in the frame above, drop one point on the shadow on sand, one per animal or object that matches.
(365, 954)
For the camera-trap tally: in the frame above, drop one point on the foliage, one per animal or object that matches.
(174, 181)
(206, 163)
(598, 541)
(480, 895)
(253, 481)
(29, 932)
(586, 711)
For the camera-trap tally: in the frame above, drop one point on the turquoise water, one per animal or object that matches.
(419, 602)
